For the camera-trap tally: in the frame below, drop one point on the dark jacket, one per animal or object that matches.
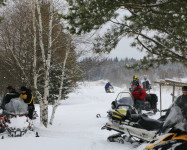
(28, 98)
(181, 101)
(108, 85)
(146, 85)
(139, 93)
(9, 96)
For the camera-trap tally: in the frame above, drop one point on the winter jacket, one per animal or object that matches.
(108, 85)
(146, 84)
(28, 98)
(139, 93)
(181, 101)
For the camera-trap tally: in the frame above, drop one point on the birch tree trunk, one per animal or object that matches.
(57, 103)
(46, 64)
(35, 75)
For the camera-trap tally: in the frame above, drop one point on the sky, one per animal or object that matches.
(123, 50)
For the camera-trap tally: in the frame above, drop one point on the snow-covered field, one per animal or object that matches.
(76, 126)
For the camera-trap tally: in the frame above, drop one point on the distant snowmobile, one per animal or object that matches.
(138, 129)
(14, 119)
(109, 88)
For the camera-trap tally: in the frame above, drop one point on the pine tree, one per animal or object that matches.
(157, 26)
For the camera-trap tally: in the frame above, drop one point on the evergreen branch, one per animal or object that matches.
(140, 6)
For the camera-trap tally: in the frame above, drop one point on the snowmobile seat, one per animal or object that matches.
(135, 117)
(149, 124)
(152, 99)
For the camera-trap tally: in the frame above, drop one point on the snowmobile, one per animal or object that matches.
(135, 129)
(14, 118)
(168, 134)
(110, 89)
(121, 107)
(173, 134)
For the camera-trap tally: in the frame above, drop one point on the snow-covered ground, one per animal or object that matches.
(76, 126)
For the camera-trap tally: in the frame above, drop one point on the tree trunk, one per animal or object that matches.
(46, 66)
(57, 103)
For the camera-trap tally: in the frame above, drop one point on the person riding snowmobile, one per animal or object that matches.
(10, 94)
(107, 87)
(27, 96)
(139, 96)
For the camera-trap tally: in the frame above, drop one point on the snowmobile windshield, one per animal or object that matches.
(16, 106)
(125, 98)
(175, 119)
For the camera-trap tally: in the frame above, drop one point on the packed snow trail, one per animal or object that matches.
(76, 126)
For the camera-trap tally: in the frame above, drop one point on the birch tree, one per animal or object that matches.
(32, 41)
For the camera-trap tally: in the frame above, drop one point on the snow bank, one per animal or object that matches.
(75, 125)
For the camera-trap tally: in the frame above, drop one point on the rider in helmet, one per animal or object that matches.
(135, 78)
(107, 87)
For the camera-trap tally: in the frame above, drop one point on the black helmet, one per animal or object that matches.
(9, 88)
(184, 88)
(23, 88)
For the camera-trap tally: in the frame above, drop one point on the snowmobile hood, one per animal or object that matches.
(167, 139)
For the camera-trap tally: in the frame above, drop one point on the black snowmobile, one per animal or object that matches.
(150, 104)
(14, 118)
(168, 134)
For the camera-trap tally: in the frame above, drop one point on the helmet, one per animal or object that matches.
(9, 88)
(184, 88)
(135, 83)
(23, 88)
(135, 77)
